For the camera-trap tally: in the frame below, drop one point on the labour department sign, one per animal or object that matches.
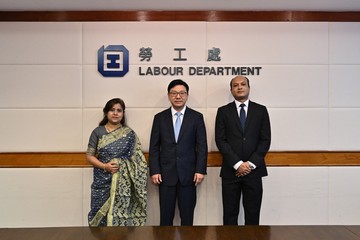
(113, 61)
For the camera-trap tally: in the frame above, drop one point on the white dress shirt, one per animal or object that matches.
(237, 165)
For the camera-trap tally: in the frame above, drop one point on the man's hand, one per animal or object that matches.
(198, 178)
(243, 170)
(156, 179)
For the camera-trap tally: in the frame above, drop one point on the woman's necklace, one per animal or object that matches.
(109, 128)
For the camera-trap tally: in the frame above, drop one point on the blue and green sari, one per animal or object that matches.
(118, 199)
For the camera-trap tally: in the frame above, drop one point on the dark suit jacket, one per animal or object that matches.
(181, 160)
(235, 144)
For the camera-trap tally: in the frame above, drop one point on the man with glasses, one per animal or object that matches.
(178, 155)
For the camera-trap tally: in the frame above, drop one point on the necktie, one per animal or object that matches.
(242, 115)
(177, 125)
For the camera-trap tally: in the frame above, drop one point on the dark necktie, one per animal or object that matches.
(242, 115)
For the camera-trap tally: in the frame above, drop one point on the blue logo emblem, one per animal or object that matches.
(113, 61)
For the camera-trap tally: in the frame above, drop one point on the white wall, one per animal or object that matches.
(51, 197)
(51, 97)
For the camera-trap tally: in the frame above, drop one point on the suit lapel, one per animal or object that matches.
(185, 122)
(169, 123)
(249, 114)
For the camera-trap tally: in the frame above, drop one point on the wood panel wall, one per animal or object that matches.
(209, 16)
(77, 159)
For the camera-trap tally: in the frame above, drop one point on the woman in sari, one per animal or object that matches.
(118, 191)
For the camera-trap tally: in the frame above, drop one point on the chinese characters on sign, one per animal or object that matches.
(113, 61)
(145, 54)
(213, 54)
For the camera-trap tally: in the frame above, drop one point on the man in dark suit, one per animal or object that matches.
(178, 155)
(243, 135)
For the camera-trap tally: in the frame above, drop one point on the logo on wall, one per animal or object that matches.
(113, 61)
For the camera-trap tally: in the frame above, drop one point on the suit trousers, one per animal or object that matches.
(251, 191)
(186, 198)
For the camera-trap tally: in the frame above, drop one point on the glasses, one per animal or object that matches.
(181, 94)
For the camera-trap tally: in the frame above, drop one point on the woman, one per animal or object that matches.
(118, 192)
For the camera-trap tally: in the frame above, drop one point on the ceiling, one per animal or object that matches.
(180, 5)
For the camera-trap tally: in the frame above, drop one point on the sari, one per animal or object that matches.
(118, 199)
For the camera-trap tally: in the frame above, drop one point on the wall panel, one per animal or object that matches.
(270, 43)
(344, 129)
(343, 86)
(41, 197)
(343, 195)
(343, 43)
(303, 192)
(39, 130)
(40, 43)
(40, 86)
(51, 97)
(299, 129)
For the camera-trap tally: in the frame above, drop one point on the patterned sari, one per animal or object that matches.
(118, 199)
